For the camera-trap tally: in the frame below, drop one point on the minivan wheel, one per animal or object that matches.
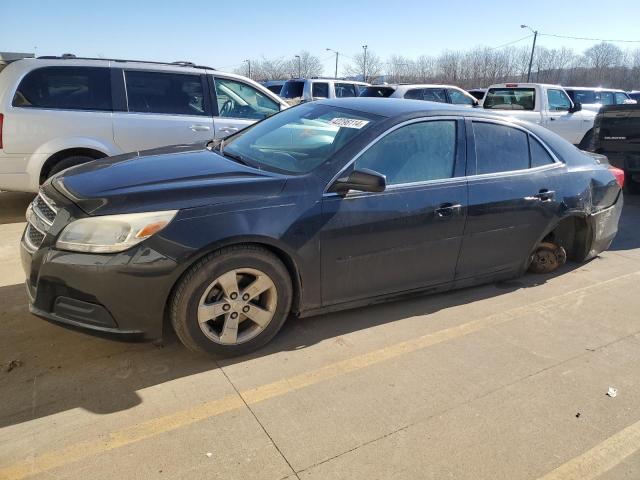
(232, 301)
(68, 162)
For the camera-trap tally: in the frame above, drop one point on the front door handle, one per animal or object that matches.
(552, 119)
(200, 128)
(545, 195)
(447, 210)
(228, 129)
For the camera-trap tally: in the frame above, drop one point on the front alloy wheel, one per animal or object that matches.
(237, 306)
(240, 310)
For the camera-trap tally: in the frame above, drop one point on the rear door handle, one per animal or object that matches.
(447, 210)
(200, 128)
(545, 195)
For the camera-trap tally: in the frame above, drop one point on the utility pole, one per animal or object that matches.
(337, 53)
(533, 49)
(364, 66)
(249, 63)
(299, 66)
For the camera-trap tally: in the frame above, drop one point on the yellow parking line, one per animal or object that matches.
(168, 423)
(601, 458)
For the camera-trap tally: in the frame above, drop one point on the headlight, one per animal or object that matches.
(112, 233)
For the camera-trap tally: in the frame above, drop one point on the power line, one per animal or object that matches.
(511, 43)
(589, 39)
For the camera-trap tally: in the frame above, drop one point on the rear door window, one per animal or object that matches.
(168, 93)
(65, 88)
(500, 148)
(320, 90)
(607, 98)
(539, 155)
(621, 98)
(345, 90)
(510, 99)
(584, 96)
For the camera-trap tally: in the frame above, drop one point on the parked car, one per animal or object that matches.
(635, 95)
(617, 136)
(478, 93)
(328, 205)
(299, 90)
(274, 85)
(594, 98)
(546, 105)
(430, 93)
(63, 111)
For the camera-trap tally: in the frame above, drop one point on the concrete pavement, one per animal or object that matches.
(503, 381)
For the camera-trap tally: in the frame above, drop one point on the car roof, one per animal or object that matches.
(595, 89)
(393, 107)
(327, 79)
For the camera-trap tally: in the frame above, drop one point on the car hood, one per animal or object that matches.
(170, 178)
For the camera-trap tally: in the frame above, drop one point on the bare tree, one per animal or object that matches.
(372, 64)
(310, 66)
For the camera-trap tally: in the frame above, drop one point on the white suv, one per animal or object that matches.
(57, 112)
(427, 92)
(299, 90)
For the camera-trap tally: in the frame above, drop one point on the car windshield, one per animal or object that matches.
(292, 89)
(380, 92)
(510, 99)
(299, 139)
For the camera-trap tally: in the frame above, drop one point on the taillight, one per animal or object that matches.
(619, 174)
(1, 122)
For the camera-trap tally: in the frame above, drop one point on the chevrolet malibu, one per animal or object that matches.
(325, 206)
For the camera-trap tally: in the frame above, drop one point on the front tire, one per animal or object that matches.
(232, 302)
(67, 163)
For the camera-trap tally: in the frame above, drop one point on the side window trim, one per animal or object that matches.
(460, 158)
(471, 172)
(213, 96)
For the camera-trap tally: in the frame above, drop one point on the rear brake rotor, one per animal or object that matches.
(547, 258)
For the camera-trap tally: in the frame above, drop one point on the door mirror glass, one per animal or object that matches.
(362, 180)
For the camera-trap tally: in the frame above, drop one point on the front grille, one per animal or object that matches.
(44, 208)
(33, 237)
(40, 216)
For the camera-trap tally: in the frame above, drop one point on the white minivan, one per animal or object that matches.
(57, 112)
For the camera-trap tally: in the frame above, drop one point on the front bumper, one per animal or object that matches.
(119, 295)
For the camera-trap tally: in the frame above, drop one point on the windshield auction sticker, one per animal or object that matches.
(348, 122)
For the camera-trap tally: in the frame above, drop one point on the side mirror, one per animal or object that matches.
(363, 180)
(577, 106)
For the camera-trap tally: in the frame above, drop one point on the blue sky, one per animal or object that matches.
(223, 34)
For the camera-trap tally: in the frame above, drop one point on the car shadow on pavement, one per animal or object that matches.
(13, 206)
(47, 369)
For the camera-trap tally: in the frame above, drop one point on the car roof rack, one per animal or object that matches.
(71, 56)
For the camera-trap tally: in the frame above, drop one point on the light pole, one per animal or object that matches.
(364, 66)
(337, 53)
(533, 49)
(249, 63)
(299, 66)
